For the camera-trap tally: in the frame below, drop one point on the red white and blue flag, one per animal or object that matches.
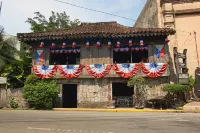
(154, 70)
(98, 70)
(160, 51)
(42, 71)
(39, 55)
(126, 70)
(70, 71)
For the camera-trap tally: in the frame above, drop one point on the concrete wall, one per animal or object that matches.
(184, 17)
(3, 100)
(187, 40)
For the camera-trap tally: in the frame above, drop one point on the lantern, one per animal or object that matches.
(118, 44)
(166, 40)
(87, 44)
(98, 44)
(141, 43)
(109, 44)
(53, 45)
(64, 45)
(130, 43)
(73, 45)
(41, 44)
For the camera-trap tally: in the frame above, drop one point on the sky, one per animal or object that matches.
(14, 13)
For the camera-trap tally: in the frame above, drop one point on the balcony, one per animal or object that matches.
(157, 70)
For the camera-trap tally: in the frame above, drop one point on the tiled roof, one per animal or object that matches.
(95, 30)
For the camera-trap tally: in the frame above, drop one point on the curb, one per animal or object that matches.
(117, 110)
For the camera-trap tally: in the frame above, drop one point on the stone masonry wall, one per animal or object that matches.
(149, 16)
(93, 93)
(18, 96)
(154, 87)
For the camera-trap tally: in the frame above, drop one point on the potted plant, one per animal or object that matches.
(138, 84)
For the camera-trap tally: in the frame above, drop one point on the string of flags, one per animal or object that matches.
(152, 70)
(98, 44)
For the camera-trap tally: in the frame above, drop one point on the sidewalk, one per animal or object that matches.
(117, 110)
(193, 107)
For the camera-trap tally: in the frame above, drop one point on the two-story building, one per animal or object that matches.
(93, 62)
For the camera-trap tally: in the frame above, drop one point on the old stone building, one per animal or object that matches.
(93, 62)
(184, 17)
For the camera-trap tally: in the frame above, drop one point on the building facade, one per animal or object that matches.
(181, 15)
(93, 62)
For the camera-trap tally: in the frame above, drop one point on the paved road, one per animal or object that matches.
(94, 122)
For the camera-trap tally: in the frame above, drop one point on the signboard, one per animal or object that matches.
(183, 78)
(3, 80)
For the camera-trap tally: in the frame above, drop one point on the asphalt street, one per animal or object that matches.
(12, 121)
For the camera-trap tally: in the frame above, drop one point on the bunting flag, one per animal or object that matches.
(109, 44)
(87, 44)
(39, 55)
(98, 70)
(41, 44)
(73, 45)
(126, 70)
(118, 44)
(70, 71)
(98, 44)
(130, 43)
(154, 70)
(66, 51)
(42, 71)
(160, 51)
(166, 40)
(64, 44)
(53, 45)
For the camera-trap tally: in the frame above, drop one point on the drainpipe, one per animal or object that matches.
(195, 37)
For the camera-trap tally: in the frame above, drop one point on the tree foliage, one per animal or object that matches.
(7, 49)
(137, 82)
(176, 88)
(17, 70)
(40, 93)
(56, 21)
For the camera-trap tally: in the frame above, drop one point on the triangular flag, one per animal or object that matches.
(160, 51)
(39, 55)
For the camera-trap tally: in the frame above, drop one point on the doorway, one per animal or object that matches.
(122, 95)
(69, 96)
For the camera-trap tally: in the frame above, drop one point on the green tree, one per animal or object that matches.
(17, 71)
(139, 84)
(178, 91)
(7, 49)
(56, 21)
(15, 65)
(40, 94)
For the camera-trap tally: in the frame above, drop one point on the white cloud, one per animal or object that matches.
(15, 12)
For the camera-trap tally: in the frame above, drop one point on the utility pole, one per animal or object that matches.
(195, 38)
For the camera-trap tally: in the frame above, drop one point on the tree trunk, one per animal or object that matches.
(136, 97)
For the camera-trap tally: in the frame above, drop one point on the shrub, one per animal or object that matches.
(176, 88)
(13, 103)
(40, 93)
